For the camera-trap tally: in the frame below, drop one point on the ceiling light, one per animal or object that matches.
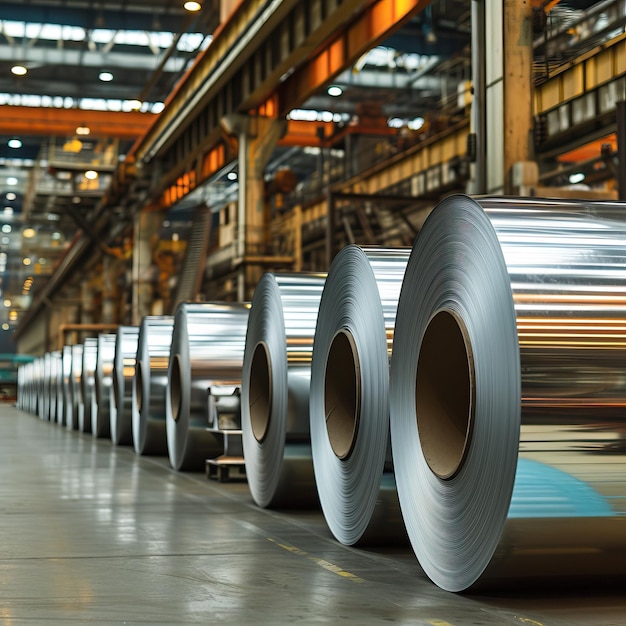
(5, 326)
(13, 315)
(11, 196)
(83, 130)
(8, 210)
(5, 241)
(26, 261)
(14, 143)
(576, 178)
(12, 180)
(56, 236)
(335, 90)
(19, 70)
(231, 176)
(135, 105)
(91, 174)
(6, 228)
(192, 6)
(7, 303)
(29, 232)
(105, 77)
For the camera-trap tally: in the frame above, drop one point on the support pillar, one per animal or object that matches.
(146, 228)
(508, 94)
(257, 138)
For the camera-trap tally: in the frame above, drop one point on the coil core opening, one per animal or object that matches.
(116, 387)
(139, 385)
(260, 391)
(176, 386)
(342, 394)
(444, 394)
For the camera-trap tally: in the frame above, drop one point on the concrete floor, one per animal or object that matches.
(95, 534)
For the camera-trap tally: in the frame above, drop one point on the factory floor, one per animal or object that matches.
(91, 533)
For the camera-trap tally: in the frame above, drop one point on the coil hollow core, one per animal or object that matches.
(444, 394)
(260, 391)
(342, 393)
(176, 385)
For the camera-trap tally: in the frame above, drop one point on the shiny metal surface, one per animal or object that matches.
(124, 363)
(44, 412)
(149, 384)
(537, 489)
(76, 392)
(208, 344)
(349, 395)
(88, 384)
(65, 390)
(275, 390)
(101, 419)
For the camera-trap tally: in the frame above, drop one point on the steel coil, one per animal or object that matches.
(53, 382)
(73, 416)
(207, 350)
(44, 413)
(508, 393)
(349, 395)
(148, 398)
(88, 384)
(275, 390)
(101, 419)
(65, 390)
(124, 363)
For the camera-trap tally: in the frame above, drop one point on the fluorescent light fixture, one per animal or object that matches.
(14, 143)
(19, 70)
(105, 77)
(576, 178)
(135, 105)
(192, 6)
(12, 180)
(335, 90)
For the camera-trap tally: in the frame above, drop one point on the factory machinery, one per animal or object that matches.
(465, 394)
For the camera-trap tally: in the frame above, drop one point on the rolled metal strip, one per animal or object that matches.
(101, 419)
(208, 344)
(88, 384)
(124, 364)
(149, 385)
(76, 393)
(55, 376)
(508, 394)
(349, 396)
(44, 408)
(65, 395)
(275, 390)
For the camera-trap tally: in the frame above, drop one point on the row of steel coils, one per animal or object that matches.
(469, 393)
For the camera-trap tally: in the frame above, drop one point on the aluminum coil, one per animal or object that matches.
(207, 349)
(73, 417)
(44, 409)
(65, 390)
(122, 389)
(53, 383)
(349, 395)
(101, 419)
(275, 390)
(88, 384)
(148, 396)
(508, 393)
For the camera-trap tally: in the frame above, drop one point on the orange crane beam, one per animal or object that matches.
(21, 120)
